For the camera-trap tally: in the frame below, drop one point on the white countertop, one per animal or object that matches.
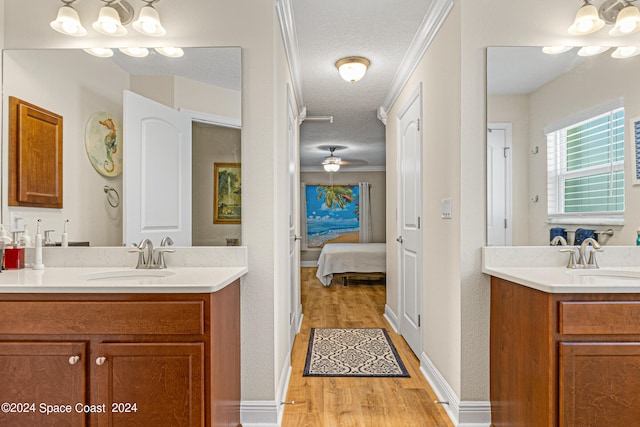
(111, 270)
(118, 280)
(544, 269)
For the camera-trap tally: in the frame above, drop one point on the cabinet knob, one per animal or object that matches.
(73, 360)
(100, 361)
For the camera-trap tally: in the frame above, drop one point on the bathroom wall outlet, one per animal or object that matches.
(16, 222)
(446, 208)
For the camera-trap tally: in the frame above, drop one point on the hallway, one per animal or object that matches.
(358, 402)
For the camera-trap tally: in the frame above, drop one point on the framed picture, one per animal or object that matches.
(635, 141)
(226, 193)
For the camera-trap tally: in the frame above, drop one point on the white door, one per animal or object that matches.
(499, 228)
(157, 172)
(409, 213)
(295, 307)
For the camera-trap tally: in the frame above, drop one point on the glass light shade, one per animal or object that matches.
(171, 52)
(148, 22)
(68, 22)
(554, 50)
(593, 50)
(100, 52)
(625, 52)
(331, 163)
(136, 52)
(353, 68)
(627, 22)
(587, 20)
(108, 22)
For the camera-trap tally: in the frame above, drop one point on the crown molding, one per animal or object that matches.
(284, 11)
(433, 20)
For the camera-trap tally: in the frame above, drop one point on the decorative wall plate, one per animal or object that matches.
(103, 141)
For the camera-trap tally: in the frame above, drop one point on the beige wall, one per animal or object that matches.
(211, 144)
(378, 200)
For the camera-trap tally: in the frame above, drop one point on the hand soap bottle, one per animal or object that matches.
(64, 239)
(37, 263)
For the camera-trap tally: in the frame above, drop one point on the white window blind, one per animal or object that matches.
(585, 177)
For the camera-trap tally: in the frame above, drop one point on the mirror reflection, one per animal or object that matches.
(204, 83)
(532, 96)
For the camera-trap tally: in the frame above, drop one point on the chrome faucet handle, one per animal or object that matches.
(160, 261)
(572, 257)
(141, 261)
(593, 263)
(144, 261)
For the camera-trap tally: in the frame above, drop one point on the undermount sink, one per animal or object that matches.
(607, 273)
(120, 275)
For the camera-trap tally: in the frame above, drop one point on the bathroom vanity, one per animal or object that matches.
(565, 345)
(88, 346)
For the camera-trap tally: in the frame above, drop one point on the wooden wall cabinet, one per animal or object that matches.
(568, 360)
(35, 156)
(121, 359)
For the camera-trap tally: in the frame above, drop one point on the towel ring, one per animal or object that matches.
(109, 190)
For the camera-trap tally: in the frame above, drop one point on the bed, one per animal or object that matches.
(347, 259)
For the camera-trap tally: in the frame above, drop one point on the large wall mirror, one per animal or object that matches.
(529, 91)
(206, 82)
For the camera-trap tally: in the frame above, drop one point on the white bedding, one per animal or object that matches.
(351, 258)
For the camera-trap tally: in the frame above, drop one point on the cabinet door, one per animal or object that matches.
(599, 384)
(151, 384)
(33, 374)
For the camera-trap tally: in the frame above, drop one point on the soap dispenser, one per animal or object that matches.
(64, 239)
(37, 263)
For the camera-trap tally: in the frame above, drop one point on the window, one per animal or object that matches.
(586, 167)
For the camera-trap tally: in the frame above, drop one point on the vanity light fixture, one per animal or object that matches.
(593, 50)
(148, 21)
(624, 17)
(136, 52)
(331, 163)
(554, 50)
(100, 52)
(352, 68)
(587, 20)
(171, 52)
(625, 52)
(68, 21)
(109, 22)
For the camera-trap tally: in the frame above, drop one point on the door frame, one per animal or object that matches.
(508, 188)
(415, 95)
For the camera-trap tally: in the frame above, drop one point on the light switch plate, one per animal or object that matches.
(446, 208)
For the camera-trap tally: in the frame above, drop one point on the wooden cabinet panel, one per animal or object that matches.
(599, 384)
(593, 317)
(36, 373)
(35, 156)
(164, 381)
(96, 317)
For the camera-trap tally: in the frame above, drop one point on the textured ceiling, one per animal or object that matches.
(379, 30)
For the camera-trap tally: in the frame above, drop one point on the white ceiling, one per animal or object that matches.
(379, 30)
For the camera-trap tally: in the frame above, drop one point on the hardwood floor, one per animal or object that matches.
(355, 402)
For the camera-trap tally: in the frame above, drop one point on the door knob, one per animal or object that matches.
(399, 239)
(297, 238)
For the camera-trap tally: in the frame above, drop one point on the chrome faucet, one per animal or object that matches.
(144, 261)
(160, 261)
(592, 263)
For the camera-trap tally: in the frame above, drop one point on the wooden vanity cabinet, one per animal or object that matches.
(568, 360)
(122, 359)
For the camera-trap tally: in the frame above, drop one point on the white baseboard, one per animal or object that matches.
(267, 413)
(308, 263)
(391, 318)
(462, 413)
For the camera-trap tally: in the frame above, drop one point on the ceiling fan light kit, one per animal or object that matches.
(352, 68)
(331, 163)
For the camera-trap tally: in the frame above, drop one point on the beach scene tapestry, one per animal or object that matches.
(332, 214)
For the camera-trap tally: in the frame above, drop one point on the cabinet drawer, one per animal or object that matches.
(611, 318)
(102, 317)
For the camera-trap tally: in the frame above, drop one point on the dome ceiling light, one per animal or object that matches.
(331, 163)
(352, 68)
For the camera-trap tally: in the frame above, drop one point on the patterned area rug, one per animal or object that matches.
(366, 352)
